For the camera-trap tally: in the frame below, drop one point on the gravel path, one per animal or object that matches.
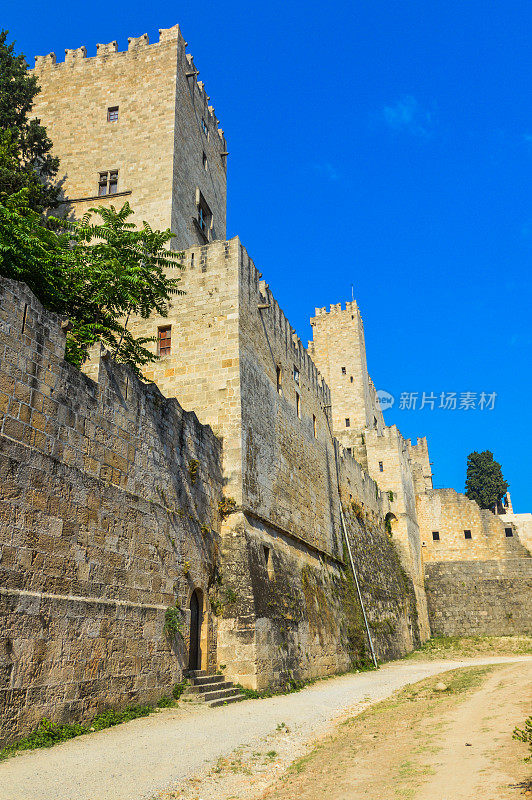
(141, 758)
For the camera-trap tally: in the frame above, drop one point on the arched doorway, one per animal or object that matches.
(196, 619)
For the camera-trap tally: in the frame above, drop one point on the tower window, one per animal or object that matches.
(108, 183)
(467, 534)
(344, 371)
(164, 340)
(204, 215)
(268, 559)
(112, 114)
(204, 126)
(296, 375)
(347, 422)
(351, 379)
(436, 536)
(314, 428)
(279, 380)
(298, 405)
(381, 466)
(204, 159)
(508, 531)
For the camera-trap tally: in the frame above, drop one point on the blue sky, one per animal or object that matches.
(386, 145)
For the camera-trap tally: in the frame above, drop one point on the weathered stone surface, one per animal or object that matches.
(102, 528)
(480, 598)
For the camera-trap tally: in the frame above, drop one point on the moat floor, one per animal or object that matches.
(241, 751)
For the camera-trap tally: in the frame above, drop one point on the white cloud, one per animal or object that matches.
(407, 115)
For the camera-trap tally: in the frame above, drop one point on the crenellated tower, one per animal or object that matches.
(137, 126)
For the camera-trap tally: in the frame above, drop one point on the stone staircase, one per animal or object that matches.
(211, 689)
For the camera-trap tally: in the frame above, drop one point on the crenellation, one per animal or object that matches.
(107, 49)
(75, 55)
(133, 42)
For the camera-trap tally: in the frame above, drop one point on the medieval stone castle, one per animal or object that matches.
(250, 485)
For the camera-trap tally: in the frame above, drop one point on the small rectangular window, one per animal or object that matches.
(508, 531)
(467, 534)
(102, 183)
(204, 161)
(108, 183)
(351, 379)
(279, 380)
(347, 422)
(112, 114)
(314, 428)
(204, 216)
(298, 405)
(296, 375)
(344, 371)
(348, 450)
(381, 466)
(164, 338)
(113, 182)
(436, 536)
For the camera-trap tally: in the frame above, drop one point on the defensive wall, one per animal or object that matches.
(236, 360)
(109, 516)
(144, 114)
(478, 568)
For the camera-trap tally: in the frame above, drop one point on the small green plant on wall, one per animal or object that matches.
(226, 506)
(390, 496)
(193, 470)
(186, 567)
(172, 622)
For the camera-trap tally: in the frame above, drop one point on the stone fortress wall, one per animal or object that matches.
(238, 362)
(166, 142)
(117, 504)
(109, 515)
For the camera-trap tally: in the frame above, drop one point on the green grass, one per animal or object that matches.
(49, 733)
(470, 646)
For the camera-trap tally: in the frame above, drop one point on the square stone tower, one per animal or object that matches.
(137, 126)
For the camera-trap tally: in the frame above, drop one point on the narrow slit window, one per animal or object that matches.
(508, 531)
(279, 381)
(296, 375)
(24, 316)
(112, 114)
(164, 338)
(436, 536)
(204, 160)
(347, 422)
(344, 371)
(467, 534)
(298, 405)
(314, 428)
(192, 259)
(204, 126)
(381, 466)
(268, 561)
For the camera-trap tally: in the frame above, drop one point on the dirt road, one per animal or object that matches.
(170, 753)
(425, 745)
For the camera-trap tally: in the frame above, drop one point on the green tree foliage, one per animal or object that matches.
(95, 273)
(484, 482)
(25, 149)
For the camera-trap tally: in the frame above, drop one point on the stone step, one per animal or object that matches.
(219, 694)
(196, 673)
(235, 698)
(201, 680)
(211, 687)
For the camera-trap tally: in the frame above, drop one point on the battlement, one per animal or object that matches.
(351, 307)
(136, 45)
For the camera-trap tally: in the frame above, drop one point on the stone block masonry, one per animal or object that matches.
(480, 598)
(143, 114)
(236, 360)
(108, 516)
